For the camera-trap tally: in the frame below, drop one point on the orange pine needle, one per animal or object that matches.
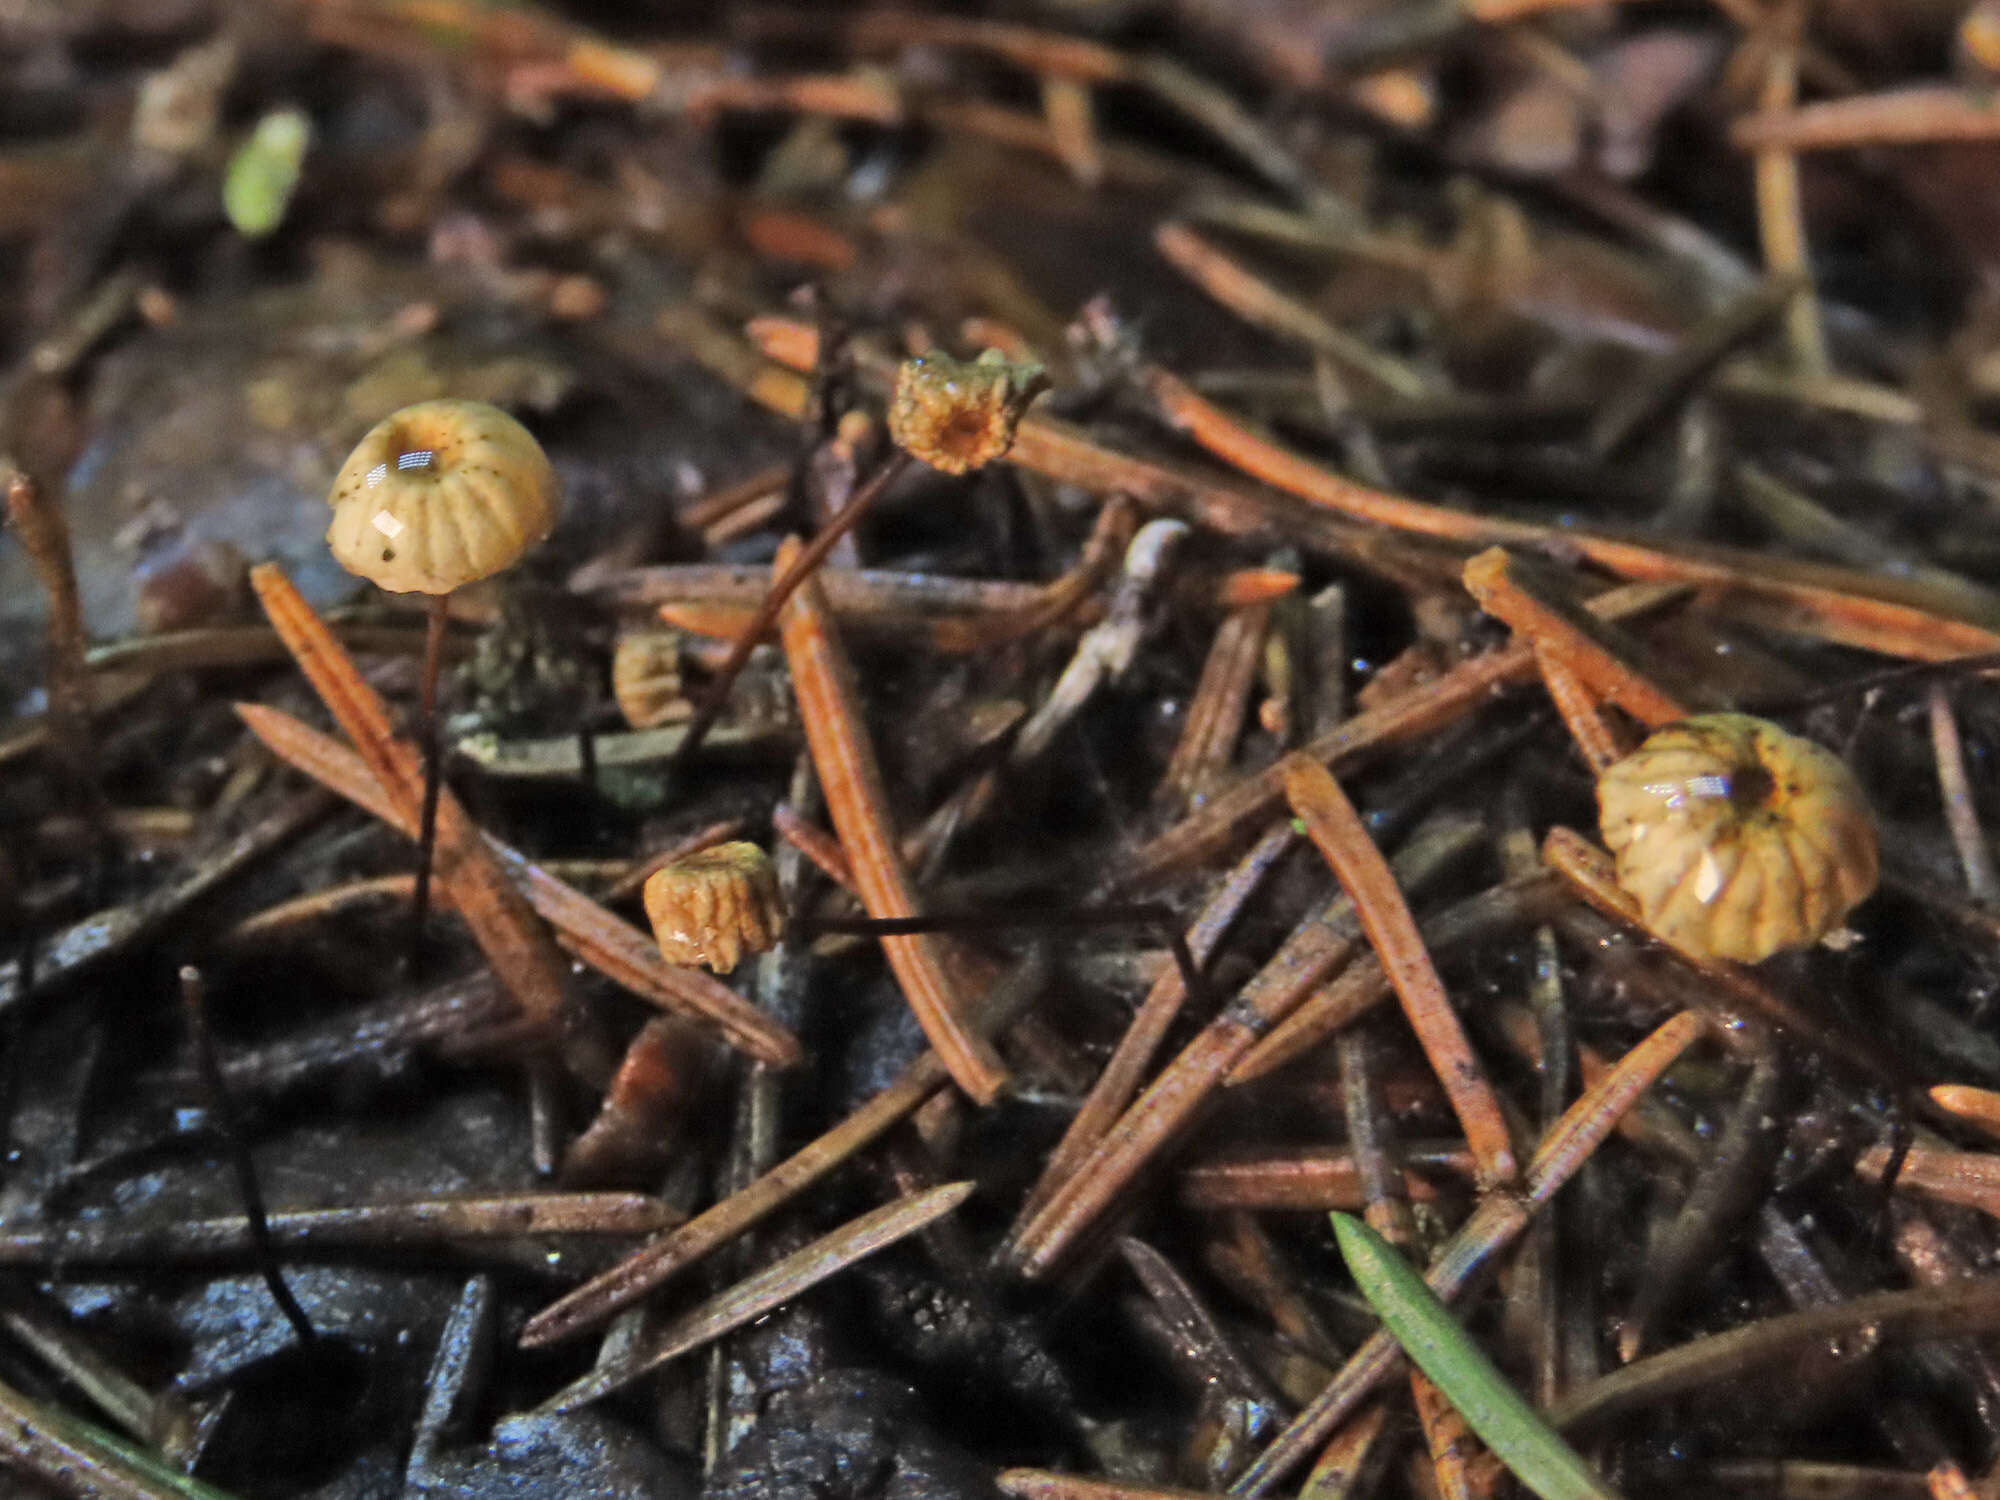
(829, 707)
(1337, 831)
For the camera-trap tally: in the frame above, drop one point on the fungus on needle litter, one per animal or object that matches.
(1737, 838)
(437, 495)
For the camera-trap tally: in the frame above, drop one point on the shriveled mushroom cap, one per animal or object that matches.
(440, 494)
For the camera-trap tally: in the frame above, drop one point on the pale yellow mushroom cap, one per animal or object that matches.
(441, 494)
(1737, 838)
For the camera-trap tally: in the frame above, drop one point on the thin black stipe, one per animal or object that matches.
(774, 601)
(420, 905)
(1149, 914)
(195, 1012)
(1908, 675)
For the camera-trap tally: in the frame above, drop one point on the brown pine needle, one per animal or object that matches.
(1611, 664)
(851, 779)
(1598, 742)
(513, 938)
(1496, 1224)
(771, 1287)
(1337, 831)
(597, 1300)
(605, 941)
(1979, 1108)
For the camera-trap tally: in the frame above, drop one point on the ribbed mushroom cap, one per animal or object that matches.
(1737, 838)
(715, 906)
(441, 494)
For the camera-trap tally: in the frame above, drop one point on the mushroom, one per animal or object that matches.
(437, 495)
(714, 906)
(1737, 838)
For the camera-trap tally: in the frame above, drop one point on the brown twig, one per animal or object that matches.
(411, 1227)
(597, 1300)
(1904, 116)
(829, 705)
(1534, 600)
(1162, 1114)
(1128, 1062)
(1215, 712)
(1947, 1312)
(1262, 305)
(39, 523)
(1337, 831)
(516, 944)
(1961, 813)
(1497, 1223)
(1315, 1179)
(1894, 616)
(607, 943)
(771, 1287)
(1600, 744)
(1780, 214)
(798, 568)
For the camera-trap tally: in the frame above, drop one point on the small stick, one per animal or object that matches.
(44, 534)
(1492, 913)
(1337, 831)
(1730, 1180)
(1979, 1108)
(1494, 1225)
(1198, 1332)
(1153, 915)
(452, 1225)
(1968, 1177)
(1352, 1455)
(1614, 666)
(1161, 1115)
(1262, 305)
(608, 943)
(1313, 1179)
(195, 1013)
(1448, 1439)
(1048, 1484)
(800, 568)
(851, 779)
(817, 845)
(1961, 813)
(771, 1287)
(436, 616)
(1119, 1080)
(1215, 712)
(1597, 740)
(1893, 117)
(1658, 387)
(598, 1299)
(1780, 214)
(1954, 1311)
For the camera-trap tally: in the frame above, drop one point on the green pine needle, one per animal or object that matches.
(1431, 1337)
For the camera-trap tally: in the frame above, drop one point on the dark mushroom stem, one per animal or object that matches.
(1153, 915)
(774, 601)
(435, 619)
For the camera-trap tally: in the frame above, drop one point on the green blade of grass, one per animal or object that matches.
(1431, 1337)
